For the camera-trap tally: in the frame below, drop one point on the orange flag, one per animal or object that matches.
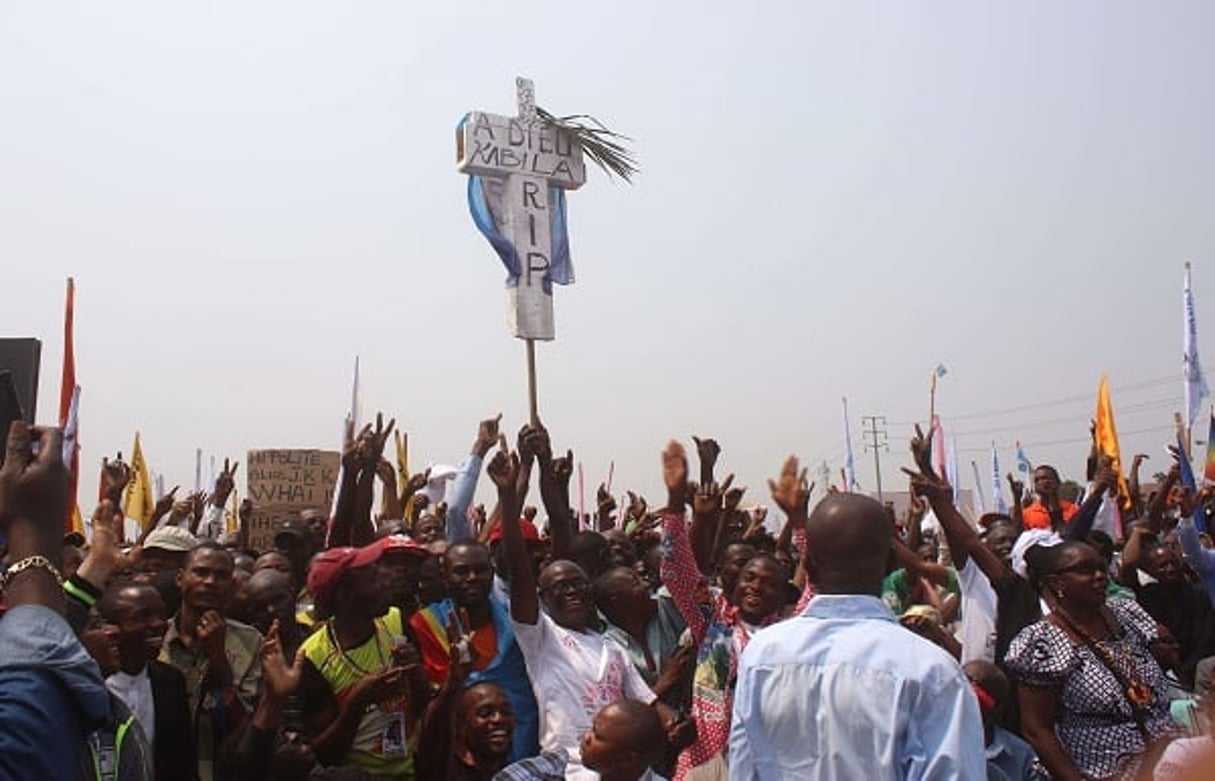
(69, 404)
(1107, 437)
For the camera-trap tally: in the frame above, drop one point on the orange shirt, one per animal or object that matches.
(1036, 517)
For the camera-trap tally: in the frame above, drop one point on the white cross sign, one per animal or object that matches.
(520, 158)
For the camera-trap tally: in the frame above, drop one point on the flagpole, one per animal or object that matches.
(932, 399)
(531, 382)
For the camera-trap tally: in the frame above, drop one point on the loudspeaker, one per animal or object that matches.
(22, 357)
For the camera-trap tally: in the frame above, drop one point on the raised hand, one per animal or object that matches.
(503, 470)
(114, 478)
(224, 483)
(637, 506)
(164, 504)
(921, 451)
(928, 485)
(1016, 487)
(211, 633)
(791, 490)
(675, 476)
(707, 450)
(281, 679)
(732, 497)
(487, 435)
(604, 502)
(387, 474)
(1107, 477)
(1192, 500)
(33, 505)
(198, 500)
(372, 445)
(706, 500)
(417, 482)
(105, 556)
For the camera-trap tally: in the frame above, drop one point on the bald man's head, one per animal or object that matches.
(848, 540)
(625, 738)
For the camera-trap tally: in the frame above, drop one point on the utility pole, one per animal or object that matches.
(875, 434)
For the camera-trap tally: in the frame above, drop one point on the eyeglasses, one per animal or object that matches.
(1084, 568)
(564, 587)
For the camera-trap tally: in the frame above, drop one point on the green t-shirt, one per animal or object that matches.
(897, 588)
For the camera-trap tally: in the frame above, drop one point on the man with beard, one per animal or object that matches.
(484, 638)
(217, 656)
(154, 691)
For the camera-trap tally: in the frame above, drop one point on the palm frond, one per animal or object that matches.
(606, 148)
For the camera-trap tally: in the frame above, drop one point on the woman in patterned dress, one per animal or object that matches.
(1093, 703)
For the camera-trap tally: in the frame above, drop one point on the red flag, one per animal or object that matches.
(69, 400)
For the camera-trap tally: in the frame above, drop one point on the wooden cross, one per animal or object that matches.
(520, 158)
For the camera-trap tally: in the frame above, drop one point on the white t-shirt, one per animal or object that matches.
(136, 692)
(574, 674)
(977, 630)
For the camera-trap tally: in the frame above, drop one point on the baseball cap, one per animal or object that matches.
(171, 538)
(328, 567)
(530, 534)
(400, 543)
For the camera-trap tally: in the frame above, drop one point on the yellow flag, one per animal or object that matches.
(1107, 436)
(232, 513)
(402, 441)
(139, 501)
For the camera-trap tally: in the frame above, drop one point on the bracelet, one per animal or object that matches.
(31, 562)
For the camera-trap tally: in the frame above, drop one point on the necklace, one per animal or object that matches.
(1117, 657)
(350, 661)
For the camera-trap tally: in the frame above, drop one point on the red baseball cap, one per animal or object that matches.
(400, 543)
(328, 568)
(530, 534)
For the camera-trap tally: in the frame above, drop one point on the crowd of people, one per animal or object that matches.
(430, 638)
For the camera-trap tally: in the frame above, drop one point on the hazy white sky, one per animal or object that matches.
(834, 198)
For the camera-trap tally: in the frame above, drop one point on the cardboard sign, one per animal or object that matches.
(284, 483)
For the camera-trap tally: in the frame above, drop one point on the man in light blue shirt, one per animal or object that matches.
(842, 691)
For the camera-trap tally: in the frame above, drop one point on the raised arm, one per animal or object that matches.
(524, 602)
(390, 500)
(164, 506)
(962, 538)
(213, 524)
(1132, 486)
(678, 569)
(340, 525)
(1104, 481)
(1155, 510)
(464, 486)
(555, 476)
(1016, 509)
(918, 568)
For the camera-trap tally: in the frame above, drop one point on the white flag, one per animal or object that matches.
(1195, 383)
(849, 464)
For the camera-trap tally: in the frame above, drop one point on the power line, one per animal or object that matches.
(1072, 440)
(877, 442)
(1055, 402)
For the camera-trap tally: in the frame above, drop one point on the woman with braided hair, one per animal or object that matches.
(1092, 699)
